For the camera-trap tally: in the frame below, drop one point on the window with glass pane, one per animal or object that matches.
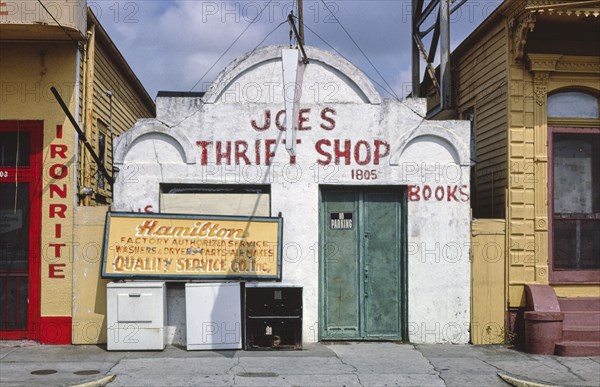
(576, 201)
(14, 255)
(573, 104)
(15, 149)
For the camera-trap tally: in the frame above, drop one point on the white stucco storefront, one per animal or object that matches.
(348, 138)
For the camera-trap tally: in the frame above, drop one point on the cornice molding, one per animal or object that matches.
(563, 63)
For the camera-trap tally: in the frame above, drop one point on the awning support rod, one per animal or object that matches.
(82, 137)
(299, 38)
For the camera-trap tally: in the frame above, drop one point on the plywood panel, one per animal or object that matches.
(215, 204)
(487, 285)
(89, 290)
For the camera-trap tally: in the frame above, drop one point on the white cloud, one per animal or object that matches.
(171, 44)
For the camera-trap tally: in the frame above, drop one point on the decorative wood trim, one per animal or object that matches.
(541, 79)
(574, 122)
(540, 120)
(542, 62)
(563, 63)
(541, 223)
(520, 29)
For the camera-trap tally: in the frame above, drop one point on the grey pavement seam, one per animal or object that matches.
(3, 355)
(355, 370)
(569, 369)
(496, 367)
(438, 372)
(236, 364)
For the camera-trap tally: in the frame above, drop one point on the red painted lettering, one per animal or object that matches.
(367, 152)
(302, 119)
(464, 193)
(204, 145)
(413, 193)
(379, 152)
(426, 192)
(57, 247)
(220, 155)
(58, 171)
(266, 125)
(269, 152)
(339, 153)
(55, 270)
(329, 120)
(56, 190)
(240, 152)
(451, 193)
(57, 230)
(439, 193)
(319, 147)
(278, 120)
(57, 210)
(58, 131)
(58, 150)
(257, 151)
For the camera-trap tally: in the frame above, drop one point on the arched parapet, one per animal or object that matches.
(152, 130)
(443, 141)
(336, 70)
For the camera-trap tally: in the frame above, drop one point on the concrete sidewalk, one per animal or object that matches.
(343, 364)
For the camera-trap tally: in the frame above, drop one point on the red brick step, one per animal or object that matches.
(577, 348)
(591, 304)
(581, 319)
(575, 333)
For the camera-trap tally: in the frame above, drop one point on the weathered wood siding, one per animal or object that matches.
(127, 105)
(480, 75)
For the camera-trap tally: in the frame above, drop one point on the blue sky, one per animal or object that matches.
(171, 44)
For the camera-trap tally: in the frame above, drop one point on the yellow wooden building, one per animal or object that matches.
(528, 78)
(46, 175)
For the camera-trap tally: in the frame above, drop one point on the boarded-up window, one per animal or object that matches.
(216, 200)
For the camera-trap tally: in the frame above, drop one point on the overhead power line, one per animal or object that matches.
(60, 25)
(232, 44)
(359, 49)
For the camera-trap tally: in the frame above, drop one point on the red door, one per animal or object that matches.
(20, 220)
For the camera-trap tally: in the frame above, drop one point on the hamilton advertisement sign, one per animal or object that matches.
(138, 245)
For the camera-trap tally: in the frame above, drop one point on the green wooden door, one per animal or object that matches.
(361, 266)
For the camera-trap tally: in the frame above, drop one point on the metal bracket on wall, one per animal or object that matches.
(422, 12)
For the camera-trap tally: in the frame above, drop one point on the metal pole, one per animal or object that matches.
(416, 60)
(110, 118)
(110, 125)
(295, 31)
(301, 22)
(445, 74)
(82, 137)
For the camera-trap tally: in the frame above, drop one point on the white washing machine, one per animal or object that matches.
(136, 316)
(213, 315)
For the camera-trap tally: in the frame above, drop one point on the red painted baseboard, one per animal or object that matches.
(55, 330)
